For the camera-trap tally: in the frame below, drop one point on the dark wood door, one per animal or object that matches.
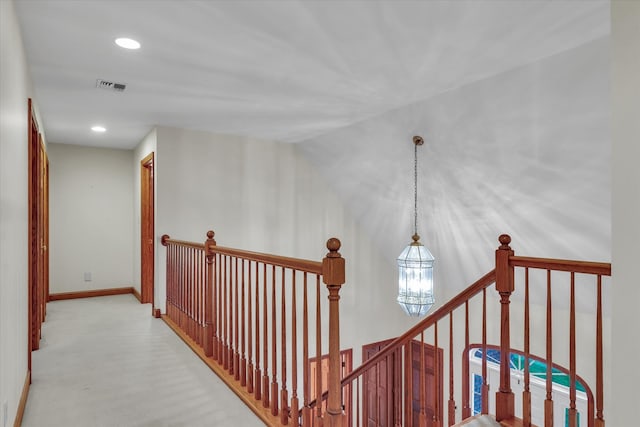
(382, 392)
(423, 385)
(38, 232)
(346, 357)
(147, 231)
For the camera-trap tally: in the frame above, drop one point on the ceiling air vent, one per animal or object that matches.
(114, 87)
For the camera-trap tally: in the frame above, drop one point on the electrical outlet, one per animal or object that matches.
(87, 276)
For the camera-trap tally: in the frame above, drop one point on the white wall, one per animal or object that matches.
(626, 212)
(526, 152)
(146, 146)
(91, 218)
(263, 196)
(15, 88)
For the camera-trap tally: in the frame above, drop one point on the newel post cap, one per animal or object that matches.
(209, 244)
(504, 240)
(333, 266)
(164, 239)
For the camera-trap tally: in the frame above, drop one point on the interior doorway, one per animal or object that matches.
(147, 191)
(381, 405)
(425, 382)
(38, 170)
(385, 386)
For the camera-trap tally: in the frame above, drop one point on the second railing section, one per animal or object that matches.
(259, 317)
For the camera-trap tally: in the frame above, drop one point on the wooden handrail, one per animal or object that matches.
(561, 265)
(308, 266)
(464, 296)
(482, 283)
(166, 241)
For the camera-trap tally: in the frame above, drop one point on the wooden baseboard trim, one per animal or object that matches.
(136, 294)
(23, 400)
(157, 313)
(91, 294)
(256, 406)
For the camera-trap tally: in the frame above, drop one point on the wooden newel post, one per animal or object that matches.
(209, 328)
(333, 275)
(504, 286)
(167, 285)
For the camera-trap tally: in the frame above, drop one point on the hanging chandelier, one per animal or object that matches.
(415, 263)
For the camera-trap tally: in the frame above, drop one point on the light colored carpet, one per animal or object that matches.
(105, 362)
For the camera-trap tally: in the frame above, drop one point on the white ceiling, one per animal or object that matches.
(282, 70)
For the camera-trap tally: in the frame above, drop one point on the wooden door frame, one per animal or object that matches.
(147, 218)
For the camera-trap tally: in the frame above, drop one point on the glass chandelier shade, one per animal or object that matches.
(415, 264)
(415, 279)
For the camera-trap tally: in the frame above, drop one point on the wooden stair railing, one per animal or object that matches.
(242, 312)
(416, 400)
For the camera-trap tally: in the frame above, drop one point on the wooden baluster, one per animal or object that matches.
(169, 274)
(318, 420)
(243, 359)
(423, 382)
(333, 275)
(231, 323)
(189, 290)
(573, 412)
(174, 281)
(236, 349)
(183, 272)
(504, 286)
(251, 367)
(485, 383)
(170, 279)
(223, 285)
(408, 381)
(198, 287)
(306, 392)
(377, 399)
(257, 389)
(177, 283)
(185, 290)
(599, 370)
(295, 404)
(548, 403)
(358, 402)
(265, 337)
(183, 293)
(209, 316)
(466, 409)
(526, 393)
(203, 291)
(274, 352)
(284, 394)
(194, 278)
(219, 283)
(436, 369)
(451, 417)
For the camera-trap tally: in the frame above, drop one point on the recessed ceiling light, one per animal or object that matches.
(98, 129)
(128, 43)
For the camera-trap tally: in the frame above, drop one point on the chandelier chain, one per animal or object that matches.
(415, 189)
